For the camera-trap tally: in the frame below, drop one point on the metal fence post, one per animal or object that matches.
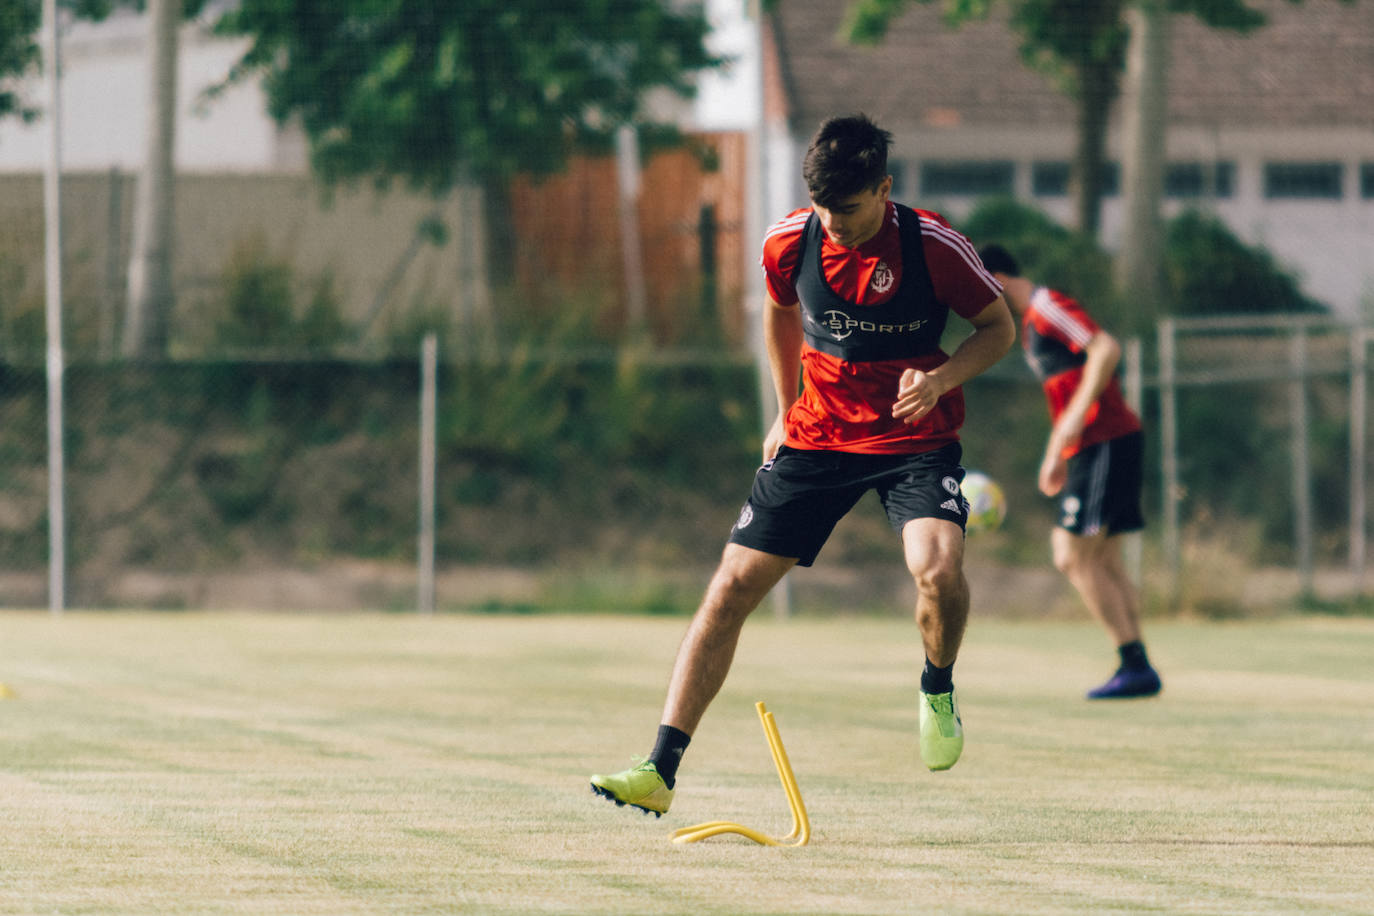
(1302, 460)
(52, 213)
(1359, 381)
(1168, 421)
(429, 360)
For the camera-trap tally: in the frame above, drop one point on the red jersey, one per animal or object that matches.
(846, 404)
(1055, 331)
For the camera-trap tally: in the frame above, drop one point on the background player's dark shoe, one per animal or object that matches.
(1128, 683)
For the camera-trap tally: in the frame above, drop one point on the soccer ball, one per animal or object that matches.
(987, 504)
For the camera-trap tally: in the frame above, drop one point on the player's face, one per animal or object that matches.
(855, 219)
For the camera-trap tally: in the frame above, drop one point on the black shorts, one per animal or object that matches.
(1103, 490)
(800, 495)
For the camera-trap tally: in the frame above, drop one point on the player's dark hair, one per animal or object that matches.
(847, 155)
(998, 260)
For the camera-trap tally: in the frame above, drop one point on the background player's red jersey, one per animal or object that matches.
(1054, 332)
(847, 405)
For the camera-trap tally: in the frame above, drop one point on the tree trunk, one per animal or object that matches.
(1097, 90)
(1138, 266)
(150, 268)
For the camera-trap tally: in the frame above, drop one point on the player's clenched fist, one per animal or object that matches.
(917, 393)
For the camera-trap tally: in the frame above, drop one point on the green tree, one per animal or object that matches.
(20, 21)
(440, 92)
(18, 53)
(1080, 44)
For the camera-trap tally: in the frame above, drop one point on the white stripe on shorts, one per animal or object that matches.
(1096, 494)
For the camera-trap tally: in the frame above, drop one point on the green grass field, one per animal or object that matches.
(232, 763)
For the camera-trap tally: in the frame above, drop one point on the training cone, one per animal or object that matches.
(801, 826)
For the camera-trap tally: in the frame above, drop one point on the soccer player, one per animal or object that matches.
(859, 291)
(1092, 464)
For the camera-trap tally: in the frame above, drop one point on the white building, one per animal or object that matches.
(104, 106)
(1272, 132)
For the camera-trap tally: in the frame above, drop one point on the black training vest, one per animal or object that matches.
(908, 325)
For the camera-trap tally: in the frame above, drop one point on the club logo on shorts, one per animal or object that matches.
(745, 517)
(1070, 506)
(951, 485)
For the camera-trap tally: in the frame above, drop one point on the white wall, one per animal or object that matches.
(104, 105)
(1327, 244)
(729, 98)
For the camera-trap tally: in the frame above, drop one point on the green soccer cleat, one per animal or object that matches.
(942, 733)
(639, 787)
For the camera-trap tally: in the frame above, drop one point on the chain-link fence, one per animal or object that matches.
(1264, 429)
(605, 481)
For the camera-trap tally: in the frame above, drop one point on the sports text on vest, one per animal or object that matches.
(908, 325)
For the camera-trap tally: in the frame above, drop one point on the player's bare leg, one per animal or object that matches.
(740, 583)
(935, 557)
(1094, 567)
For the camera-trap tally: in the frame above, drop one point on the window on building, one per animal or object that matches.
(969, 179)
(1225, 176)
(1367, 181)
(898, 172)
(1111, 179)
(1051, 178)
(1302, 180)
(1185, 179)
(1199, 179)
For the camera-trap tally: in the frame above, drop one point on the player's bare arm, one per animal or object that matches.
(1104, 353)
(782, 334)
(994, 331)
(1103, 356)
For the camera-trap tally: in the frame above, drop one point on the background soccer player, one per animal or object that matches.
(1092, 464)
(859, 292)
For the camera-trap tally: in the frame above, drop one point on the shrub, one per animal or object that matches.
(1210, 272)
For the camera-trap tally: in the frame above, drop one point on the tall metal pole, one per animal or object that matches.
(755, 223)
(52, 220)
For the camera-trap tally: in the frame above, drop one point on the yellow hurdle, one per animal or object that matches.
(801, 826)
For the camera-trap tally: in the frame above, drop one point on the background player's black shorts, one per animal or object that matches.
(800, 495)
(1103, 490)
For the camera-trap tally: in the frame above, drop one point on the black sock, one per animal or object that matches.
(1133, 657)
(937, 680)
(667, 752)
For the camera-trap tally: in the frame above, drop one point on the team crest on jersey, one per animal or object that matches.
(883, 278)
(745, 517)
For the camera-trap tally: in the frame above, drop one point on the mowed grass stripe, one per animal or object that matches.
(237, 763)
